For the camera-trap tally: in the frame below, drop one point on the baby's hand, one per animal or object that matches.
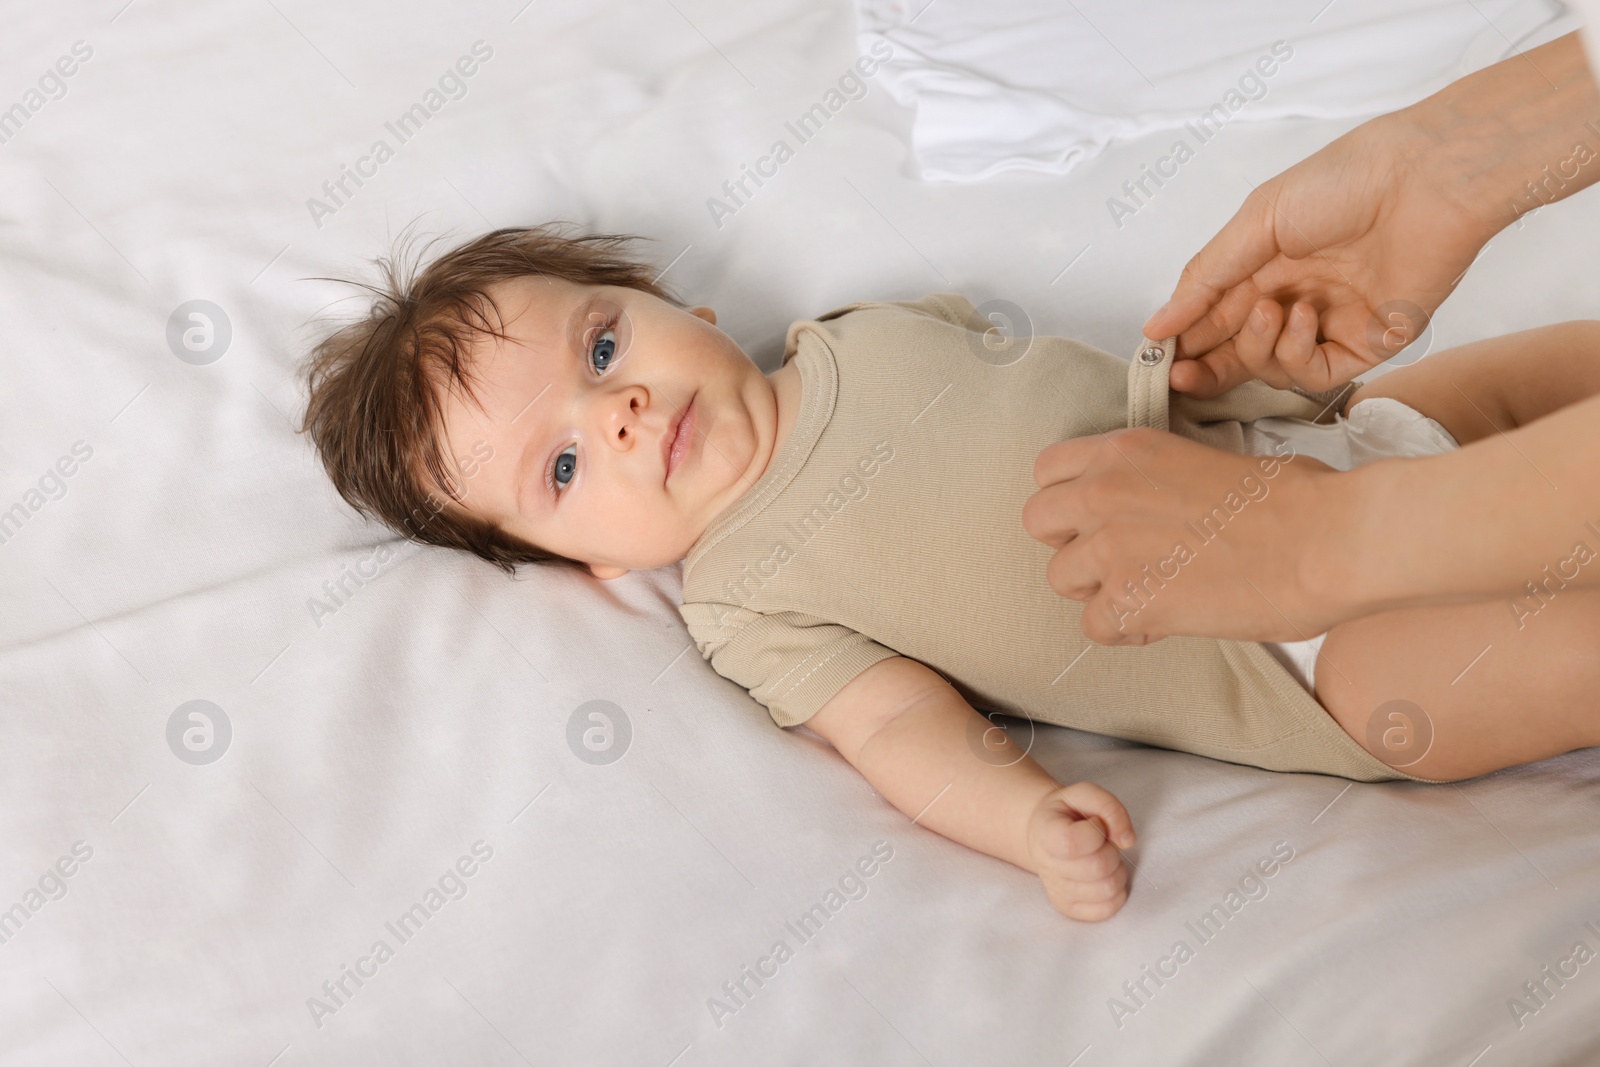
(1083, 872)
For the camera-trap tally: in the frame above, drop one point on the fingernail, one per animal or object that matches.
(1162, 310)
(1258, 321)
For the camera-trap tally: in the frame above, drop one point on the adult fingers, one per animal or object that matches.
(1241, 354)
(1064, 460)
(1205, 376)
(1242, 247)
(1053, 515)
(1057, 513)
(1354, 345)
(1309, 364)
(1222, 322)
(1285, 354)
(1297, 344)
(1334, 365)
(1256, 343)
(1072, 572)
(1109, 620)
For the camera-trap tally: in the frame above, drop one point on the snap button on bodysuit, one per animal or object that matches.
(1151, 356)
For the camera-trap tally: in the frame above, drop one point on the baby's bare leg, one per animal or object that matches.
(1494, 693)
(1497, 687)
(1499, 383)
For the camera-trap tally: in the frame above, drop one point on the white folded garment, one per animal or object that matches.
(1042, 85)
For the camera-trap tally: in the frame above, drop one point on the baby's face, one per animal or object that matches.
(579, 411)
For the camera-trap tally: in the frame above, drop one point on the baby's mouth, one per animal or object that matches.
(675, 444)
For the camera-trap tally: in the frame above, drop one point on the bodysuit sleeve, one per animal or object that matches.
(793, 663)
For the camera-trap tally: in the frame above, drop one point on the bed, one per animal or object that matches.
(279, 788)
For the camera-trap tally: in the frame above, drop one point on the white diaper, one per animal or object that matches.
(1374, 429)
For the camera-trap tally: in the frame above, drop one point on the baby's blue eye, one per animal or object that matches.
(604, 350)
(565, 466)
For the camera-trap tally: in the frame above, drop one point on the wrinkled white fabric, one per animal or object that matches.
(429, 705)
(1043, 86)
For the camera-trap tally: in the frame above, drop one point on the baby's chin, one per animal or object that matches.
(650, 562)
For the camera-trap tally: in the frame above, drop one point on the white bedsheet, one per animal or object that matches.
(1038, 85)
(424, 711)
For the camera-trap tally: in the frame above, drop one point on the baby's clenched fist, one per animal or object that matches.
(1074, 839)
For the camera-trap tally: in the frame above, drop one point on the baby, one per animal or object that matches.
(850, 528)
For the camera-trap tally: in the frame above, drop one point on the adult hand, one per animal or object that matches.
(1395, 210)
(1160, 535)
(1337, 263)
(1359, 242)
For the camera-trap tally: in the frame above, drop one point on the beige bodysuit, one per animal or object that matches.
(889, 523)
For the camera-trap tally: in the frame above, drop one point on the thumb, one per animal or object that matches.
(1246, 244)
(1215, 372)
(1093, 804)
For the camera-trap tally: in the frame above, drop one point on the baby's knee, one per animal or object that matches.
(1398, 730)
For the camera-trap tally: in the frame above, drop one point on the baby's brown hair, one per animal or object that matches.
(376, 384)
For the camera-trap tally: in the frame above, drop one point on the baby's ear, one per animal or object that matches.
(704, 313)
(605, 571)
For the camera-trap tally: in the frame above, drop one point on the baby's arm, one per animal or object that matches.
(1499, 383)
(907, 731)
